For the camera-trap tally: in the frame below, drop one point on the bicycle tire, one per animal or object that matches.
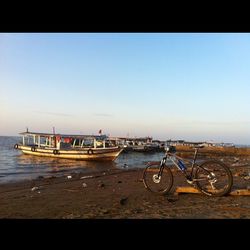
(209, 185)
(153, 183)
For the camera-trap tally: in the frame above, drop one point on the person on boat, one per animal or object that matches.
(58, 141)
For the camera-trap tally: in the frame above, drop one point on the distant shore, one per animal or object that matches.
(119, 194)
(222, 151)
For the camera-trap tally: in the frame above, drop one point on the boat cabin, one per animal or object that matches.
(59, 141)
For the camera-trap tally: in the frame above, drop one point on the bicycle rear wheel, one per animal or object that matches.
(213, 178)
(158, 179)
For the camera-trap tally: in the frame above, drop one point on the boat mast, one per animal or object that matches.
(54, 137)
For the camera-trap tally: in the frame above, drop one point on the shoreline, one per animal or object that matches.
(119, 194)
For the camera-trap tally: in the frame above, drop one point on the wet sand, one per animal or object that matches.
(120, 194)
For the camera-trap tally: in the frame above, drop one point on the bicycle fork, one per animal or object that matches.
(157, 177)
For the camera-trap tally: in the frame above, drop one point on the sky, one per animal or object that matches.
(191, 86)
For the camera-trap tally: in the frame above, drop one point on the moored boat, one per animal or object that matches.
(141, 144)
(79, 147)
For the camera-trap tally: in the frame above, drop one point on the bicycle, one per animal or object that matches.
(211, 177)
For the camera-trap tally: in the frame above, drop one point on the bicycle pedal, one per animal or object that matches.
(190, 182)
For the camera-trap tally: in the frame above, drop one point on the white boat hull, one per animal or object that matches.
(96, 154)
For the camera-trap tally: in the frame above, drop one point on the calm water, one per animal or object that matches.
(15, 166)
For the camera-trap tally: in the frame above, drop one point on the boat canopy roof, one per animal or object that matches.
(135, 138)
(100, 137)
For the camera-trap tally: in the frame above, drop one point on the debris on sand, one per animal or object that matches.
(86, 177)
(101, 185)
(240, 192)
(49, 177)
(34, 188)
(236, 159)
(124, 200)
(84, 185)
(172, 199)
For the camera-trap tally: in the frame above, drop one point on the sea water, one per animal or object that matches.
(16, 166)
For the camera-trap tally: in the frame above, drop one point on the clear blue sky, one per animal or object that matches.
(166, 85)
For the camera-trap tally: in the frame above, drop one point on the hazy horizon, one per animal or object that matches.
(186, 86)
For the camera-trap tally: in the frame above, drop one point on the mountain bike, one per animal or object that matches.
(211, 177)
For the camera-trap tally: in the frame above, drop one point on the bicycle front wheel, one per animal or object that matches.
(158, 179)
(213, 178)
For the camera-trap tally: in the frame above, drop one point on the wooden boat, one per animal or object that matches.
(142, 144)
(79, 147)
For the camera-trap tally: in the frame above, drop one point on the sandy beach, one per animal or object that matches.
(120, 193)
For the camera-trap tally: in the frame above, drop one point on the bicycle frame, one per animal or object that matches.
(173, 157)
